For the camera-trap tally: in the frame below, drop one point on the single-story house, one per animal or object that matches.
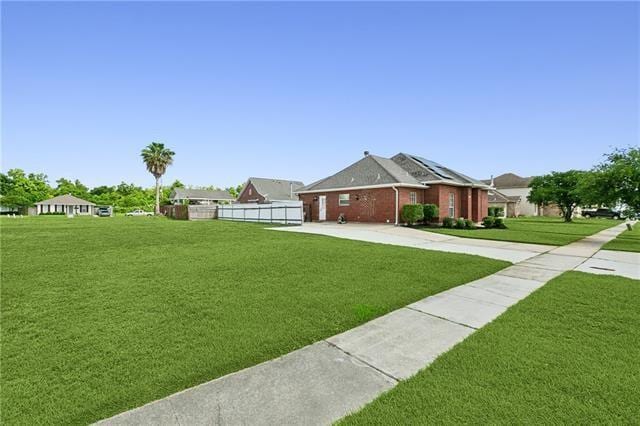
(67, 204)
(266, 190)
(199, 196)
(510, 205)
(374, 189)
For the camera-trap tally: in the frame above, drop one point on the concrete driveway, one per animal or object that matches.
(409, 237)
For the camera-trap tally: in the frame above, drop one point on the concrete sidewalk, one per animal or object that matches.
(409, 237)
(323, 382)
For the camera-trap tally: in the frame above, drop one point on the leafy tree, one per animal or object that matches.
(102, 190)
(619, 176)
(75, 188)
(235, 190)
(559, 188)
(157, 158)
(20, 190)
(176, 184)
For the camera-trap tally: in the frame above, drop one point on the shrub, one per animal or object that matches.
(430, 212)
(460, 223)
(488, 221)
(447, 222)
(469, 224)
(498, 223)
(412, 213)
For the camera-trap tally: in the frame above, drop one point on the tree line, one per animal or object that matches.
(21, 190)
(615, 183)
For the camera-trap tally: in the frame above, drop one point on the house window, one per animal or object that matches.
(452, 204)
(84, 209)
(250, 191)
(343, 199)
(413, 198)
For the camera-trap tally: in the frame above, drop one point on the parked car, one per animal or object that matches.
(104, 211)
(139, 212)
(608, 213)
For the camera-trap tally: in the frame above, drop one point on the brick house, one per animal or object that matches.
(374, 189)
(265, 190)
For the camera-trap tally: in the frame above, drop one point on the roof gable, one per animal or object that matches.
(510, 180)
(368, 171)
(276, 189)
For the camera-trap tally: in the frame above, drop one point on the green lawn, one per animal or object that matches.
(627, 241)
(100, 315)
(537, 230)
(568, 354)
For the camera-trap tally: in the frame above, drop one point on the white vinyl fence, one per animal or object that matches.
(287, 213)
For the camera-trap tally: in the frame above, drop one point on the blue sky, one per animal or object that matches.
(299, 90)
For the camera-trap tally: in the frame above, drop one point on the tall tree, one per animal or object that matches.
(621, 176)
(75, 188)
(157, 158)
(559, 188)
(17, 189)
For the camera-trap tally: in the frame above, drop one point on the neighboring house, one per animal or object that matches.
(265, 190)
(374, 189)
(512, 185)
(510, 205)
(67, 204)
(199, 196)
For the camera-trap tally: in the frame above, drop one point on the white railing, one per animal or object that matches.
(287, 213)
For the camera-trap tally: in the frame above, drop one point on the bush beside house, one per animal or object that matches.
(412, 213)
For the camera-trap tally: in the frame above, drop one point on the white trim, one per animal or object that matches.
(353, 188)
(471, 185)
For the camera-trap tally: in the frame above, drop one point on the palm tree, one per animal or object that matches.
(157, 158)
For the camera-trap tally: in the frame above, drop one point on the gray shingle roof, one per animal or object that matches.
(66, 200)
(199, 194)
(276, 189)
(509, 180)
(368, 171)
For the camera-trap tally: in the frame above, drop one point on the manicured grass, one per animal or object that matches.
(537, 230)
(567, 354)
(100, 315)
(627, 241)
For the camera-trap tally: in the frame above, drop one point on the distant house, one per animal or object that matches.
(374, 189)
(512, 185)
(265, 190)
(510, 205)
(199, 196)
(67, 204)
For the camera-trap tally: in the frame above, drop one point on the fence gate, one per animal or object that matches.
(289, 213)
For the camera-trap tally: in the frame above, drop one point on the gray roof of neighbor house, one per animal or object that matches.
(66, 200)
(509, 180)
(430, 172)
(370, 170)
(276, 189)
(199, 194)
(496, 196)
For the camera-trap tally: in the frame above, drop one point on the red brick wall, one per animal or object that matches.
(365, 205)
(249, 195)
(378, 205)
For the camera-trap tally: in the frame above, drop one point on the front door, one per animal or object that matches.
(322, 207)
